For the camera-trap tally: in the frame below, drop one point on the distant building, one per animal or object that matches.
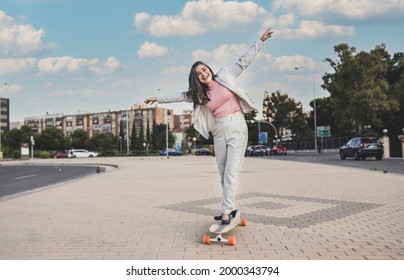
(4, 114)
(181, 124)
(119, 123)
(93, 123)
(39, 124)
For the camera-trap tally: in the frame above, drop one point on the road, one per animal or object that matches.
(387, 165)
(20, 178)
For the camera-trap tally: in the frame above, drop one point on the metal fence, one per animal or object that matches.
(324, 143)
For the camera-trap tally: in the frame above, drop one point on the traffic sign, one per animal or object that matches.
(323, 131)
(263, 138)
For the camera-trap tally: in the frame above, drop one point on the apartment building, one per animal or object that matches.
(40, 123)
(95, 123)
(119, 123)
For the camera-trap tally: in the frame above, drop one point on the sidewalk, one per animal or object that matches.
(158, 208)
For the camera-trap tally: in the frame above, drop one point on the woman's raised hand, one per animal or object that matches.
(267, 34)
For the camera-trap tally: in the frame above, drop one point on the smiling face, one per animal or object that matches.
(204, 74)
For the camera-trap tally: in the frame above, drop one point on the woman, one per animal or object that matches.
(219, 105)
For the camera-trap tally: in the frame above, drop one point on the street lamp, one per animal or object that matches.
(259, 128)
(120, 145)
(144, 146)
(402, 143)
(314, 109)
(168, 121)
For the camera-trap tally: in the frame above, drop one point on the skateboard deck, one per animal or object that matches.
(218, 229)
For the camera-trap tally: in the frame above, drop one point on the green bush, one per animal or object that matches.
(44, 154)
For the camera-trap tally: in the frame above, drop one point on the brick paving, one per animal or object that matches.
(158, 208)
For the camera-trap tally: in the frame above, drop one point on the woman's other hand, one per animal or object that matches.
(150, 100)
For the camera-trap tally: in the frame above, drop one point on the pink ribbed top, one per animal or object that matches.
(223, 102)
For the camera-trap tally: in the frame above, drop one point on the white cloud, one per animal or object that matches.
(224, 55)
(19, 39)
(16, 65)
(7, 89)
(289, 63)
(68, 64)
(356, 10)
(149, 49)
(198, 17)
(112, 65)
(315, 29)
(286, 20)
(64, 64)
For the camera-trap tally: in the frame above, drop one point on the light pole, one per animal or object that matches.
(314, 109)
(194, 139)
(259, 127)
(168, 121)
(1, 151)
(402, 143)
(127, 132)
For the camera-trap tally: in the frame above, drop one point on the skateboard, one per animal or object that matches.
(218, 229)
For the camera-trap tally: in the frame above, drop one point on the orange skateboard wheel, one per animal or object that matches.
(231, 240)
(206, 239)
(243, 222)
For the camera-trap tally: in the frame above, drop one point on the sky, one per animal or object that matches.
(76, 56)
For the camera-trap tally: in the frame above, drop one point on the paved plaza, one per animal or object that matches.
(159, 208)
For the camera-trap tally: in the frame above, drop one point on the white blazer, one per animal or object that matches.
(203, 118)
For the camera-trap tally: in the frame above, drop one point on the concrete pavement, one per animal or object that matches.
(158, 208)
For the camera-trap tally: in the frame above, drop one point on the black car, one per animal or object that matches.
(203, 152)
(362, 148)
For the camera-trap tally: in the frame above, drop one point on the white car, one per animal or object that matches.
(80, 153)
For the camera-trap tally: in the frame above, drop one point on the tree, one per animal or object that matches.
(148, 133)
(284, 112)
(394, 121)
(137, 138)
(359, 88)
(159, 137)
(191, 132)
(105, 144)
(15, 137)
(78, 139)
(324, 112)
(51, 139)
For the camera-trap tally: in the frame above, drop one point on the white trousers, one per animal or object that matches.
(230, 136)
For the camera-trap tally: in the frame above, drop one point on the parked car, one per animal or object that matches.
(257, 150)
(203, 152)
(278, 150)
(60, 154)
(81, 153)
(171, 152)
(362, 148)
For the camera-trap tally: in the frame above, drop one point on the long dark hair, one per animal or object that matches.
(198, 91)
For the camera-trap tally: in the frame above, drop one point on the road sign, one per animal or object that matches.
(263, 138)
(323, 131)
